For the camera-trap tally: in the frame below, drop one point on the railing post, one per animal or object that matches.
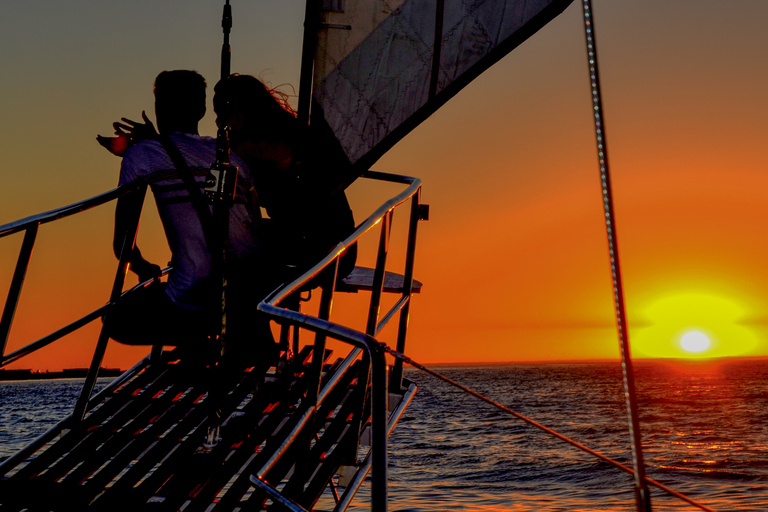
(396, 380)
(378, 274)
(129, 242)
(318, 352)
(379, 413)
(15, 290)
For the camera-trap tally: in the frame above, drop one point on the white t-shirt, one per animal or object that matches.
(190, 284)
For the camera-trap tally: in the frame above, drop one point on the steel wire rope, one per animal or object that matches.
(642, 496)
(546, 429)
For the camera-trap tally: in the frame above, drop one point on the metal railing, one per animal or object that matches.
(134, 193)
(365, 344)
(374, 352)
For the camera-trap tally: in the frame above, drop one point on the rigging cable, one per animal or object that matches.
(546, 429)
(642, 496)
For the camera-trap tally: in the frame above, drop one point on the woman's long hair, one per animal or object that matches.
(266, 113)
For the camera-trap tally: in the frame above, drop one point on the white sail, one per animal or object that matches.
(379, 72)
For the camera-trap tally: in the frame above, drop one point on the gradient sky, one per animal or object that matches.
(514, 258)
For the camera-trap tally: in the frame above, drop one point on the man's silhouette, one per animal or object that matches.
(182, 310)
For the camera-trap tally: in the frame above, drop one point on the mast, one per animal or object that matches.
(226, 57)
(220, 188)
(311, 24)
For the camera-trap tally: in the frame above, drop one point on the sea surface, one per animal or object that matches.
(704, 426)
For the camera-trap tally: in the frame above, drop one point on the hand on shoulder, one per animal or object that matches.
(127, 134)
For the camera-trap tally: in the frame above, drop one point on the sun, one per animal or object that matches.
(694, 325)
(694, 341)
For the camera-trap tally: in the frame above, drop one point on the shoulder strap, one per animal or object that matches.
(198, 200)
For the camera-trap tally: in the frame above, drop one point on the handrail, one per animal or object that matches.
(414, 185)
(137, 190)
(373, 352)
(66, 211)
(71, 327)
(374, 360)
(368, 342)
(373, 349)
(365, 467)
(30, 224)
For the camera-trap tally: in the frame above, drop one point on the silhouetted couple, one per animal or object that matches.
(294, 181)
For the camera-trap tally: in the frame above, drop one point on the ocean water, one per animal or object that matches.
(704, 426)
(705, 431)
(28, 408)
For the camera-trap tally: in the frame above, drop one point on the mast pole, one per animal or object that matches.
(226, 55)
(642, 494)
(311, 24)
(220, 188)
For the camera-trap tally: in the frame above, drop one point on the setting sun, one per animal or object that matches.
(694, 325)
(694, 341)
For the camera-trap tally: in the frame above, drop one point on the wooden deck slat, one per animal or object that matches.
(188, 438)
(138, 444)
(195, 476)
(222, 464)
(99, 434)
(67, 441)
(140, 449)
(242, 483)
(337, 431)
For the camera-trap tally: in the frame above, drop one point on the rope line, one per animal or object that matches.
(641, 491)
(546, 429)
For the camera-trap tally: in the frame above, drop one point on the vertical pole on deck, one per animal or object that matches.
(226, 52)
(318, 352)
(129, 243)
(311, 23)
(379, 413)
(396, 380)
(379, 389)
(642, 494)
(378, 275)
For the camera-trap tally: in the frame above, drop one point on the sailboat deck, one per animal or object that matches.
(140, 448)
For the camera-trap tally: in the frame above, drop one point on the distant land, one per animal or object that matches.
(67, 373)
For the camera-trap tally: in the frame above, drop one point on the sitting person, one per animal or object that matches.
(295, 177)
(186, 309)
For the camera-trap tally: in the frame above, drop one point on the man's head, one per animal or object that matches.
(179, 101)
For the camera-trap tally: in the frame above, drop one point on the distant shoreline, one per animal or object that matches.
(68, 373)
(683, 360)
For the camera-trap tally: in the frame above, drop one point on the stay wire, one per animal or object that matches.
(546, 429)
(642, 495)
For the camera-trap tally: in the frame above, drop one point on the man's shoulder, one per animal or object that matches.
(181, 140)
(192, 142)
(144, 148)
(141, 159)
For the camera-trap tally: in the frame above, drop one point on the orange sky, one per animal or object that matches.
(514, 258)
